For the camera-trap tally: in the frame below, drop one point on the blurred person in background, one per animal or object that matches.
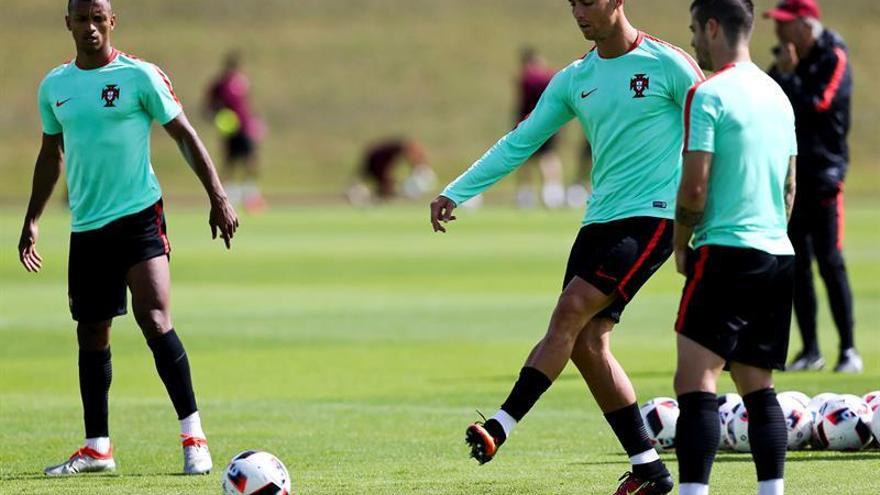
(377, 175)
(533, 79)
(228, 106)
(813, 69)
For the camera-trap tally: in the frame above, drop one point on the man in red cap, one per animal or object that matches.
(812, 68)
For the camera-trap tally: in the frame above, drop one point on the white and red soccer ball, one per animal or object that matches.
(736, 429)
(844, 423)
(660, 416)
(726, 403)
(798, 421)
(255, 472)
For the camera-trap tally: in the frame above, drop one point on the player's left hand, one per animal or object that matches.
(223, 220)
(681, 261)
(27, 248)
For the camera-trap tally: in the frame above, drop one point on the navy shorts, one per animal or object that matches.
(737, 303)
(619, 257)
(100, 260)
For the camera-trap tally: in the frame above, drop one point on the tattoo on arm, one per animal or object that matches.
(688, 217)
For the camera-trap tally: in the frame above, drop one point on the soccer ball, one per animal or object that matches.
(736, 429)
(844, 424)
(726, 403)
(813, 407)
(801, 397)
(660, 416)
(255, 472)
(798, 422)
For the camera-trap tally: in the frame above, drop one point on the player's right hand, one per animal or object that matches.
(441, 211)
(27, 247)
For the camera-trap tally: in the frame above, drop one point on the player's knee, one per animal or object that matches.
(153, 322)
(571, 313)
(831, 264)
(93, 336)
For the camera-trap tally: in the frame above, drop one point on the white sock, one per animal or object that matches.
(192, 426)
(771, 487)
(693, 489)
(234, 193)
(645, 457)
(553, 195)
(99, 444)
(576, 196)
(506, 420)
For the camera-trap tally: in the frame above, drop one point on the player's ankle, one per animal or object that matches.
(100, 445)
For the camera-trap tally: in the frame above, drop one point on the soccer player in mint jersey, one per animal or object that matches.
(97, 111)
(735, 198)
(628, 94)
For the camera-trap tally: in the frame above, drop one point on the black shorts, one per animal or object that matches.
(737, 303)
(619, 257)
(101, 258)
(239, 145)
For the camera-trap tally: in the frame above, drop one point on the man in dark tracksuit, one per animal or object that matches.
(812, 68)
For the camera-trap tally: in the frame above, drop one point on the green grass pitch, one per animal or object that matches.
(356, 345)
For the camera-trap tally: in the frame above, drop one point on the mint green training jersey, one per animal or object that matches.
(106, 115)
(630, 108)
(743, 118)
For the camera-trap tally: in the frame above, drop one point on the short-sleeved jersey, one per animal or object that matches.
(106, 115)
(630, 110)
(744, 119)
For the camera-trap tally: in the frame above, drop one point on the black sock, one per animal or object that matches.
(696, 436)
(768, 435)
(173, 367)
(95, 375)
(526, 392)
(633, 436)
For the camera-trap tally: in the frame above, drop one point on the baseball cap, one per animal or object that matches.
(789, 10)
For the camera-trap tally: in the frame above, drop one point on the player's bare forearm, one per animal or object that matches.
(790, 186)
(47, 170)
(196, 156)
(222, 218)
(691, 203)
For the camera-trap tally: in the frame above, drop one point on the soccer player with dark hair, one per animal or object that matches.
(628, 93)
(97, 111)
(736, 195)
(812, 67)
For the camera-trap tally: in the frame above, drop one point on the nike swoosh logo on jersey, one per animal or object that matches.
(585, 94)
(59, 103)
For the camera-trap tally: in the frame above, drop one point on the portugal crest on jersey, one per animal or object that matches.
(110, 94)
(639, 84)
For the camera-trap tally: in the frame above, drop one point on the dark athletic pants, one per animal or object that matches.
(816, 230)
